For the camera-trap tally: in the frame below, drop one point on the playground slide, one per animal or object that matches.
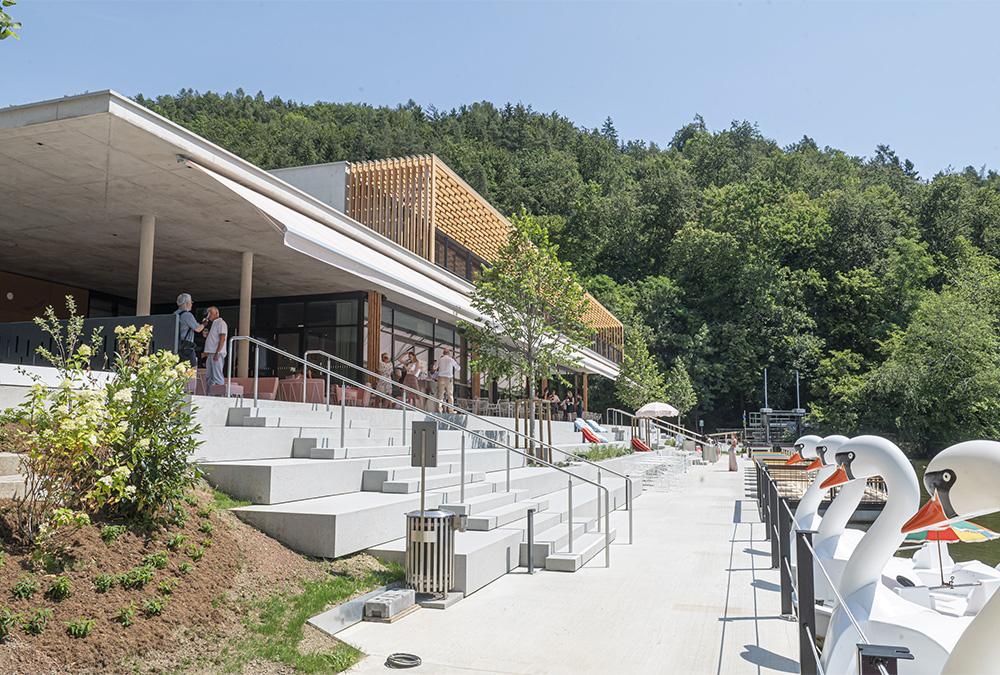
(640, 446)
(591, 437)
(596, 427)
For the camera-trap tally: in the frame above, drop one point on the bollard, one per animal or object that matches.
(806, 594)
(531, 541)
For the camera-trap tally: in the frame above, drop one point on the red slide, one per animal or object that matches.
(639, 445)
(589, 435)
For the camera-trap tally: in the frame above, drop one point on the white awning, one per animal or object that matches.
(314, 239)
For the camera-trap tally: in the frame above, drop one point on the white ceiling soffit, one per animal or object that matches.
(314, 239)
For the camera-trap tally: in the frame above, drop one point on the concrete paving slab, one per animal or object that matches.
(694, 594)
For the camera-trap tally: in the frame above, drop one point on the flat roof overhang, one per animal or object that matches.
(76, 175)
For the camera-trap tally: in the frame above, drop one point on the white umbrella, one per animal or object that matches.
(657, 409)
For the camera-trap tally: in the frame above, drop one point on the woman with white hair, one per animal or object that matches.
(187, 326)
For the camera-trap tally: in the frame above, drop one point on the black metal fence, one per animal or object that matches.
(798, 598)
(19, 341)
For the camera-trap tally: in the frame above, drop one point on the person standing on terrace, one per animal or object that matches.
(187, 326)
(446, 367)
(215, 348)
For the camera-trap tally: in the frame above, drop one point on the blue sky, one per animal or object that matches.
(922, 77)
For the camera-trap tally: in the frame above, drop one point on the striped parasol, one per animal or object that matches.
(961, 531)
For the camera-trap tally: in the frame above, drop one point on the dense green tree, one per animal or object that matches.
(721, 249)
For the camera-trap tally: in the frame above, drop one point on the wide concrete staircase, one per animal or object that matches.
(328, 499)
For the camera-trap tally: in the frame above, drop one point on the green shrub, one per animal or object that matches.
(207, 543)
(25, 588)
(175, 542)
(206, 527)
(35, 623)
(205, 512)
(104, 582)
(8, 621)
(191, 500)
(167, 586)
(59, 589)
(153, 607)
(79, 628)
(178, 518)
(110, 533)
(185, 568)
(137, 577)
(195, 552)
(157, 560)
(126, 615)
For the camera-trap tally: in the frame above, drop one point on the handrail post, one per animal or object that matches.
(461, 494)
(256, 373)
(765, 484)
(531, 540)
(598, 506)
(784, 537)
(607, 528)
(343, 410)
(569, 520)
(229, 369)
(806, 595)
(328, 384)
(508, 467)
(404, 421)
(305, 379)
(775, 516)
(628, 507)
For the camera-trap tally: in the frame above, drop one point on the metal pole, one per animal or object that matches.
(404, 424)
(461, 494)
(775, 516)
(607, 529)
(531, 541)
(797, 401)
(229, 369)
(805, 591)
(569, 497)
(784, 536)
(305, 376)
(628, 507)
(423, 468)
(343, 413)
(328, 384)
(508, 468)
(256, 372)
(765, 388)
(599, 500)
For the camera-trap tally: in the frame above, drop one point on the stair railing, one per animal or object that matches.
(330, 358)
(344, 381)
(669, 427)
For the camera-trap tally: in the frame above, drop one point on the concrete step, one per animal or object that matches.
(220, 444)
(273, 481)
(491, 500)
(330, 527)
(409, 485)
(373, 480)
(494, 518)
(453, 494)
(10, 463)
(11, 486)
(480, 557)
(584, 548)
(552, 540)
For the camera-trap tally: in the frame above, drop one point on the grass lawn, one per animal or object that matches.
(988, 551)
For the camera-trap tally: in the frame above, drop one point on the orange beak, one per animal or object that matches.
(815, 465)
(839, 477)
(929, 515)
(794, 459)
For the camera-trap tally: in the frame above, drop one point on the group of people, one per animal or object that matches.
(571, 406)
(411, 372)
(202, 342)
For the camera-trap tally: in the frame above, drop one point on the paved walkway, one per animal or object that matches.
(694, 595)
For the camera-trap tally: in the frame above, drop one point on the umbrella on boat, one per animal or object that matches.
(960, 531)
(657, 409)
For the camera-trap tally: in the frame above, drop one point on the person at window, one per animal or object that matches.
(187, 327)
(215, 348)
(569, 403)
(384, 385)
(446, 368)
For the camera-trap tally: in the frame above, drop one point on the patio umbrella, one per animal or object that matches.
(657, 409)
(961, 531)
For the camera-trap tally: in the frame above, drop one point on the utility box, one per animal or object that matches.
(430, 550)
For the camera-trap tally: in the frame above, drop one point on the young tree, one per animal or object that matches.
(7, 24)
(531, 308)
(679, 390)
(639, 380)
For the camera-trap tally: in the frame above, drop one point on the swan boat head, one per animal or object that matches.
(826, 451)
(804, 449)
(963, 481)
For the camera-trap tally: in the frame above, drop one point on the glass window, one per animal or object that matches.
(290, 314)
(347, 312)
(321, 313)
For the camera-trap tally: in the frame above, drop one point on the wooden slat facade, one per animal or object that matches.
(409, 199)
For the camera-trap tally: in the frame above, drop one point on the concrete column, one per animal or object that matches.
(246, 293)
(144, 288)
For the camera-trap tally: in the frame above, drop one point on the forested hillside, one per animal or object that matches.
(726, 251)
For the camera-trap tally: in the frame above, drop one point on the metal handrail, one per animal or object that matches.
(664, 426)
(462, 411)
(345, 380)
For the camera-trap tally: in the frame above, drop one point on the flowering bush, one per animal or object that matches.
(118, 449)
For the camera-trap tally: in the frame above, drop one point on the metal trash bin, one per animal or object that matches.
(430, 550)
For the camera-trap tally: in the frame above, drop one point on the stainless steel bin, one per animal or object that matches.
(430, 550)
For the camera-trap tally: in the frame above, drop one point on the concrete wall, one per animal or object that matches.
(326, 182)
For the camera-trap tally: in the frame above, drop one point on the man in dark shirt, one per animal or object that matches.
(187, 326)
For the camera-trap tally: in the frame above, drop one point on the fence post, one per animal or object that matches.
(806, 595)
(765, 491)
(772, 526)
(784, 540)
